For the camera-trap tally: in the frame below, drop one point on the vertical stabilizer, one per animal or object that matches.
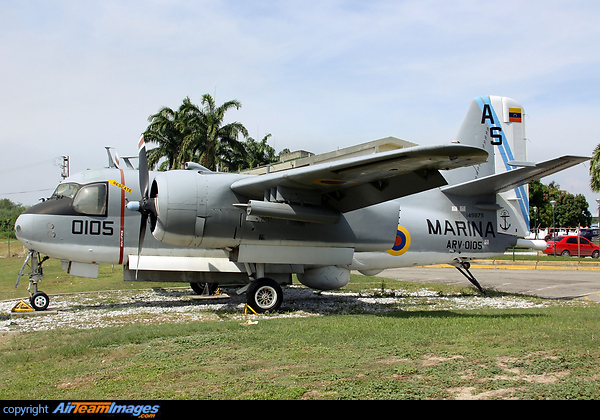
(497, 125)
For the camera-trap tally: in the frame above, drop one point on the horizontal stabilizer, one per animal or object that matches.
(507, 181)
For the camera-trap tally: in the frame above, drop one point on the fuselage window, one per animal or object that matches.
(91, 200)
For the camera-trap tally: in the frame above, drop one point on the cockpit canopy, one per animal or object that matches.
(89, 199)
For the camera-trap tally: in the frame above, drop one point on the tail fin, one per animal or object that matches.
(497, 125)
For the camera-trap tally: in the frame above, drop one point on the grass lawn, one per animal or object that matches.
(550, 352)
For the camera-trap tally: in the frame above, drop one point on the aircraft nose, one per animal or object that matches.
(23, 228)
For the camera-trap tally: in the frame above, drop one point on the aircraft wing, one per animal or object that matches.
(354, 183)
(523, 174)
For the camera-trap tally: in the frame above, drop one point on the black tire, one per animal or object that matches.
(595, 254)
(200, 287)
(264, 295)
(566, 253)
(39, 301)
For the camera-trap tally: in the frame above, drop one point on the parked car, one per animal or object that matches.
(590, 233)
(567, 246)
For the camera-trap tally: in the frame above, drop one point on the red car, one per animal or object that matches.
(567, 246)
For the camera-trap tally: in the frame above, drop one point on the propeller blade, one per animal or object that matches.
(143, 169)
(143, 223)
(144, 206)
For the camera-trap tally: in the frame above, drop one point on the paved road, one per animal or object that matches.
(555, 282)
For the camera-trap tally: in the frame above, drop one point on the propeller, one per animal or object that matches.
(146, 206)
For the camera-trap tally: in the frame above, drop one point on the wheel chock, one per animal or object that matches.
(249, 307)
(22, 307)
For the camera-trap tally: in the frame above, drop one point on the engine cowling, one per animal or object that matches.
(194, 209)
(180, 208)
(325, 278)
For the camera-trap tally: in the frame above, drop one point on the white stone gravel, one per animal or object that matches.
(115, 308)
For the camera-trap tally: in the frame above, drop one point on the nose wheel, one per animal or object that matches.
(39, 301)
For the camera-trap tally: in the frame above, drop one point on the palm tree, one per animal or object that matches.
(595, 170)
(163, 130)
(207, 139)
(195, 134)
(259, 153)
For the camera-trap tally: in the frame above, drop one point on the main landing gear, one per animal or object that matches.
(38, 299)
(262, 295)
(463, 267)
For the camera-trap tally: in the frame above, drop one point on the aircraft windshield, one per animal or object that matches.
(91, 200)
(66, 190)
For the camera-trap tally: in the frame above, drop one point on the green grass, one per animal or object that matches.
(527, 354)
(542, 353)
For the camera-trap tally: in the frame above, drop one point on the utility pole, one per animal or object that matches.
(598, 201)
(553, 202)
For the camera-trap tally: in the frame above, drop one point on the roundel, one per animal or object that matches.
(402, 242)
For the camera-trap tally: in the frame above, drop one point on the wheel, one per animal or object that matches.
(264, 295)
(39, 301)
(595, 254)
(200, 288)
(566, 253)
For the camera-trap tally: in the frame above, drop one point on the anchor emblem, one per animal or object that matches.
(505, 225)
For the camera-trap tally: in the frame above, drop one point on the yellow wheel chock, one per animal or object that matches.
(249, 307)
(22, 307)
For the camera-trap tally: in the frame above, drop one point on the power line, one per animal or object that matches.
(26, 192)
(24, 167)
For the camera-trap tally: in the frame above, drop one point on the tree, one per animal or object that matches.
(194, 134)
(164, 130)
(207, 139)
(569, 211)
(9, 212)
(259, 153)
(595, 170)
(572, 210)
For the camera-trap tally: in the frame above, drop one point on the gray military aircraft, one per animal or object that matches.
(367, 213)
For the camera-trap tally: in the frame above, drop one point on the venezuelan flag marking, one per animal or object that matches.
(514, 115)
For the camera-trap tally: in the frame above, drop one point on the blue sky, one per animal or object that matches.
(318, 75)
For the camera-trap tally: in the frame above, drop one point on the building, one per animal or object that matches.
(302, 158)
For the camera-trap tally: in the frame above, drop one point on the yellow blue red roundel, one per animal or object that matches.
(402, 242)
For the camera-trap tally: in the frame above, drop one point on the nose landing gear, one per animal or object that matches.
(38, 299)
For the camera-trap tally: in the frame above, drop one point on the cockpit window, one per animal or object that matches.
(66, 190)
(91, 200)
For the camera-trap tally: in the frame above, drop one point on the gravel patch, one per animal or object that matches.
(120, 307)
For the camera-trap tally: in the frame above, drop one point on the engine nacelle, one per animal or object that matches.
(325, 278)
(180, 207)
(196, 209)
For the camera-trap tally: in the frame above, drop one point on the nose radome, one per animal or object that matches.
(23, 228)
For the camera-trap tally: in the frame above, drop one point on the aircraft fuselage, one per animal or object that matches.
(425, 228)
